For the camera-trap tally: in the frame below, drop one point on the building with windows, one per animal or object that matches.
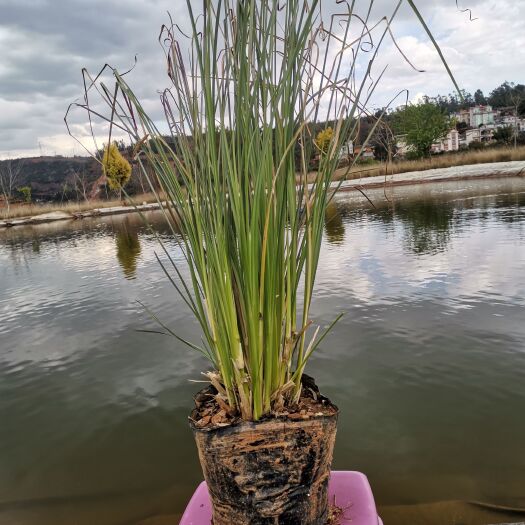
(481, 115)
(463, 115)
(347, 150)
(470, 135)
(476, 116)
(448, 143)
(402, 147)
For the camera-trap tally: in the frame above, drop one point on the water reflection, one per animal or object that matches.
(427, 225)
(36, 246)
(430, 356)
(333, 224)
(128, 248)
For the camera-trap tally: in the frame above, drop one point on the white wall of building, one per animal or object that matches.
(448, 143)
(480, 115)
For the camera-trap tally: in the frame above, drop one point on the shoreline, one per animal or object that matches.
(62, 215)
(455, 173)
(490, 170)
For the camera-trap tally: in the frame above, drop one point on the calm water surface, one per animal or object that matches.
(427, 365)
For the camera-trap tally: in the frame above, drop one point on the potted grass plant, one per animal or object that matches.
(251, 83)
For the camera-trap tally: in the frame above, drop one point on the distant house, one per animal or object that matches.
(480, 134)
(347, 150)
(510, 120)
(402, 147)
(507, 120)
(476, 116)
(487, 133)
(448, 143)
(481, 115)
(364, 152)
(463, 115)
(469, 136)
(481, 123)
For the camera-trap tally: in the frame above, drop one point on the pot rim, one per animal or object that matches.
(239, 424)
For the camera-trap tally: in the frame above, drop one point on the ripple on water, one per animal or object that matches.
(427, 364)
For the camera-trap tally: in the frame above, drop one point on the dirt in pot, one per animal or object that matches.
(210, 412)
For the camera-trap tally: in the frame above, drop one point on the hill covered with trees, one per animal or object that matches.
(57, 178)
(506, 95)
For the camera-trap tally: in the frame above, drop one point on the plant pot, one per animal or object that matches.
(271, 472)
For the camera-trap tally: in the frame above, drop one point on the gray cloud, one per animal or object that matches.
(45, 44)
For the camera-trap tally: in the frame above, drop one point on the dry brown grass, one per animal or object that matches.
(28, 210)
(441, 161)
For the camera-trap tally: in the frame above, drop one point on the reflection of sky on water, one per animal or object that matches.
(484, 258)
(430, 355)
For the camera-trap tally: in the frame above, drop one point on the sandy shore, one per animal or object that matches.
(473, 171)
(62, 215)
(456, 173)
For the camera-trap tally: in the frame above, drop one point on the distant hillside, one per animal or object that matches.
(56, 178)
(68, 178)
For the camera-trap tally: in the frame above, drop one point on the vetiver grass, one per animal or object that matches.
(247, 83)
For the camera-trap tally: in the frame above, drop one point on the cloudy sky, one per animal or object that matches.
(44, 45)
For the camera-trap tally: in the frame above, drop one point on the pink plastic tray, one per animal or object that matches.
(351, 490)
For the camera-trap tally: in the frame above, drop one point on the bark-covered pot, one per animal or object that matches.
(270, 472)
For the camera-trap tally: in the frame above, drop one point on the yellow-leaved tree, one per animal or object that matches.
(324, 138)
(116, 168)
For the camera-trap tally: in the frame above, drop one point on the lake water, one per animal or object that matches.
(427, 365)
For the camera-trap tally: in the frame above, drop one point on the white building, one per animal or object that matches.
(507, 120)
(347, 150)
(512, 122)
(448, 143)
(476, 116)
(471, 135)
(480, 115)
(482, 134)
(364, 152)
(402, 147)
(463, 115)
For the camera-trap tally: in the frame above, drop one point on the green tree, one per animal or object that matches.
(504, 135)
(116, 168)
(508, 94)
(480, 98)
(452, 102)
(422, 125)
(25, 191)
